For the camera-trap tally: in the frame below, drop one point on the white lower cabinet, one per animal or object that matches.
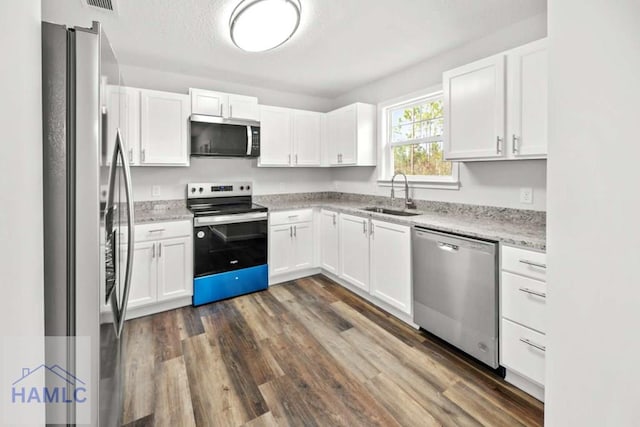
(162, 268)
(390, 246)
(291, 240)
(354, 250)
(329, 241)
(523, 293)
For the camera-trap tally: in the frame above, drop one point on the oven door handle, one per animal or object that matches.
(229, 219)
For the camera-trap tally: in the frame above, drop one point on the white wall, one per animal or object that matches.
(491, 183)
(21, 257)
(592, 373)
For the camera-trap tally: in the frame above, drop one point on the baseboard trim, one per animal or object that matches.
(525, 384)
(135, 312)
(287, 277)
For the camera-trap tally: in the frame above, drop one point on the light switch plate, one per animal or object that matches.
(526, 195)
(155, 191)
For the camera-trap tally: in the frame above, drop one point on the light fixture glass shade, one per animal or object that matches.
(259, 25)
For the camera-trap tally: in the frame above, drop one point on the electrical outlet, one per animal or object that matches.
(526, 195)
(155, 191)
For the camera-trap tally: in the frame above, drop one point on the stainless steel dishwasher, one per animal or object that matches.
(455, 291)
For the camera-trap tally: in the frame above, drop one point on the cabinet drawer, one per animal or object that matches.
(524, 301)
(523, 350)
(291, 217)
(163, 230)
(521, 261)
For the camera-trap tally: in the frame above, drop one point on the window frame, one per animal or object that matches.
(385, 146)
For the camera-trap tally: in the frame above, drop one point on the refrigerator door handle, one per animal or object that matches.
(119, 313)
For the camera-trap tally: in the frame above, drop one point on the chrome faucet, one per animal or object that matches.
(408, 203)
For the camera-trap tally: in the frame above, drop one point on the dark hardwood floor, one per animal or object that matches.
(306, 353)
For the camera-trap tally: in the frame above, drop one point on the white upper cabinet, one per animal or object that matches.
(351, 132)
(227, 105)
(163, 128)
(307, 138)
(124, 102)
(474, 110)
(290, 137)
(496, 108)
(243, 107)
(275, 136)
(527, 94)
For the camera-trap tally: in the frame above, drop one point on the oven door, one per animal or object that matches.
(213, 136)
(229, 242)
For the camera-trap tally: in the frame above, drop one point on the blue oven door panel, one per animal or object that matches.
(221, 286)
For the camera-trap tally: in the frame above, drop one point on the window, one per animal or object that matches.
(412, 138)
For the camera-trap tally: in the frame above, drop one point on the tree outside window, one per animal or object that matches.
(415, 138)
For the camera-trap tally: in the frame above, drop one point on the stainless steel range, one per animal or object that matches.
(230, 241)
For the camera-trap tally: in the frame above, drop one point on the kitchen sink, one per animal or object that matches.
(387, 211)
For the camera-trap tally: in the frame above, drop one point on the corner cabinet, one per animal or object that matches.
(496, 108)
(164, 118)
(329, 241)
(289, 137)
(351, 135)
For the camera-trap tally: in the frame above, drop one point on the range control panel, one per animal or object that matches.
(208, 190)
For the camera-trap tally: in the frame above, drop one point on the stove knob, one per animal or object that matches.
(193, 189)
(248, 187)
(241, 187)
(201, 189)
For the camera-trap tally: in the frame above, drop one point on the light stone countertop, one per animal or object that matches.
(521, 232)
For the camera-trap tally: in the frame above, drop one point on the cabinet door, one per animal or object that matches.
(391, 264)
(144, 275)
(244, 107)
(303, 245)
(528, 100)
(342, 132)
(329, 242)
(474, 110)
(275, 136)
(208, 102)
(124, 102)
(175, 268)
(280, 249)
(307, 138)
(354, 250)
(164, 118)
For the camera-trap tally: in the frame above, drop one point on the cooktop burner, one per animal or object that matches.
(209, 199)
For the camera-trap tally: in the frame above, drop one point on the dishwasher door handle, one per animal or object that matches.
(448, 247)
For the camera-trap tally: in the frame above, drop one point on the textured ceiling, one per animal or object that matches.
(340, 45)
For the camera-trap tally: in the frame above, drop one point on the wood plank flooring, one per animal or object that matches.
(306, 353)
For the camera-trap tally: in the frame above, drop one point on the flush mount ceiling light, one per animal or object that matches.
(259, 25)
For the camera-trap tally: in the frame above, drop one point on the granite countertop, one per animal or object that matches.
(165, 210)
(510, 226)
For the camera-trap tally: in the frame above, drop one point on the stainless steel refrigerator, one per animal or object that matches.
(88, 209)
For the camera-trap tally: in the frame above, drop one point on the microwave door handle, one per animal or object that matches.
(249, 140)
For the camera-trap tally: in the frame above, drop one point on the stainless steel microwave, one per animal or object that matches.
(219, 137)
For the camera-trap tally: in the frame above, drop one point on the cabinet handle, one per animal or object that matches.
(364, 226)
(533, 264)
(153, 251)
(296, 159)
(221, 109)
(371, 228)
(159, 250)
(334, 219)
(230, 110)
(295, 231)
(290, 232)
(157, 230)
(289, 161)
(142, 155)
(498, 145)
(534, 345)
(130, 155)
(514, 143)
(532, 292)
